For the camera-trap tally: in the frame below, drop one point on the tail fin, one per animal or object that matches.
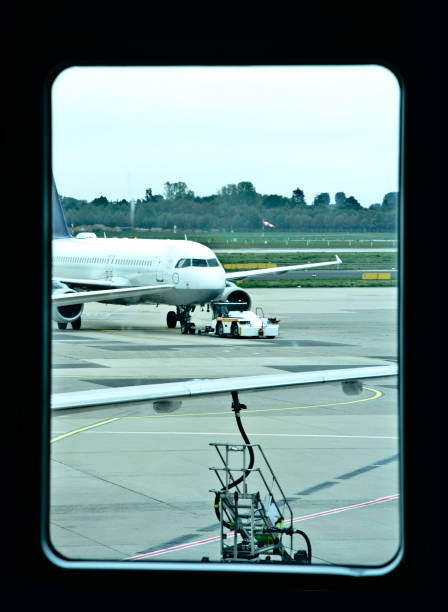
(60, 229)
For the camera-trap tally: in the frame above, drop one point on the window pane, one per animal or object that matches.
(295, 166)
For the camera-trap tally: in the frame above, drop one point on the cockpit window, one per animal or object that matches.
(183, 263)
(198, 263)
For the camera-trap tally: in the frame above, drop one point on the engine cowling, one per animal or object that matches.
(233, 293)
(65, 314)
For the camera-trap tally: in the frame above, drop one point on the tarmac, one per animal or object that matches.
(128, 483)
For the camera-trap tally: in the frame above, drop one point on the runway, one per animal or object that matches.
(130, 483)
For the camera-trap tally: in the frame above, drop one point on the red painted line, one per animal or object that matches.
(354, 507)
(173, 549)
(300, 518)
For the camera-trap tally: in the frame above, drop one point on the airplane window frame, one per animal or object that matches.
(58, 560)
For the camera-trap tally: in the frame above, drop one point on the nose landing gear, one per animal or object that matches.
(183, 315)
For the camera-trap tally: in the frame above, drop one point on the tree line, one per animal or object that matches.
(237, 207)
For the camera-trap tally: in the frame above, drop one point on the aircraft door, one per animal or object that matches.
(109, 272)
(159, 270)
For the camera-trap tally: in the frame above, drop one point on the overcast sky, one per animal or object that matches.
(118, 131)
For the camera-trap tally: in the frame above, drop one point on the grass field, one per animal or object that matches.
(276, 240)
(317, 282)
(272, 239)
(350, 261)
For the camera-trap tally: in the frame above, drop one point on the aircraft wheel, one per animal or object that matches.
(171, 319)
(191, 328)
(76, 324)
(62, 325)
(184, 328)
(235, 331)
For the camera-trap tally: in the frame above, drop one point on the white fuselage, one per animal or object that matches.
(192, 268)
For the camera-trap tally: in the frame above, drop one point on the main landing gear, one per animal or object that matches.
(183, 315)
(76, 324)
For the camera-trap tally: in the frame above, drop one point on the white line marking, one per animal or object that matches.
(220, 433)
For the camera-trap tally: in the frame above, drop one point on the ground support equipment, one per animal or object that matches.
(253, 524)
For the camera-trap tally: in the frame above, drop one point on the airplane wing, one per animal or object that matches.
(81, 297)
(231, 276)
(204, 387)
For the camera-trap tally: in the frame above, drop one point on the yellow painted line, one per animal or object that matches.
(376, 276)
(377, 394)
(249, 266)
(75, 431)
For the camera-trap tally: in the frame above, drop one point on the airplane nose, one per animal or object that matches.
(213, 279)
(202, 277)
(220, 278)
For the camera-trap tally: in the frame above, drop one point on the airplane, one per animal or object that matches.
(181, 273)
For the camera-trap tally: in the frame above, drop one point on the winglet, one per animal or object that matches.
(338, 259)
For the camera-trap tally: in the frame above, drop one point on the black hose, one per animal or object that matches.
(236, 406)
(307, 540)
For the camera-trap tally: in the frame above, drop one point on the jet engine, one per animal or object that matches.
(233, 293)
(65, 314)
